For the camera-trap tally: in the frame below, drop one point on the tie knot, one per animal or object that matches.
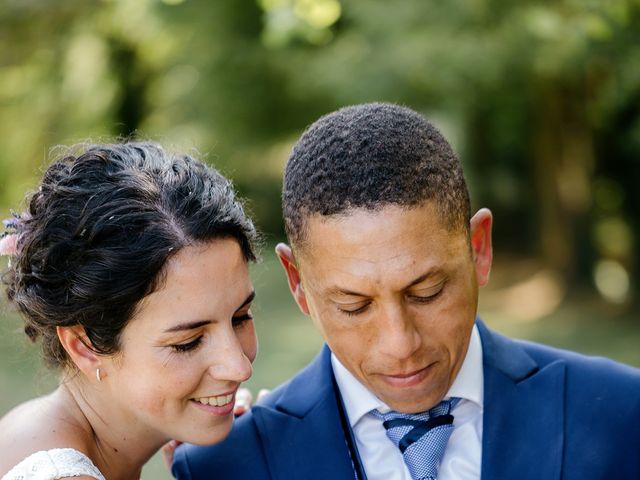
(443, 408)
(421, 437)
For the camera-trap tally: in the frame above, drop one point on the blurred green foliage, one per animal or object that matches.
(541, 100)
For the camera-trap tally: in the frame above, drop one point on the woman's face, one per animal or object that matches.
(188, 348)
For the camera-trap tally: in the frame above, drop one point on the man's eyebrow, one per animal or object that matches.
(199, 323)
(351, 293)
(421, 278)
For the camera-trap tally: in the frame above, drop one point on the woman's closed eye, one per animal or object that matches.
(188, 346)
(243, 314)
(241, 319)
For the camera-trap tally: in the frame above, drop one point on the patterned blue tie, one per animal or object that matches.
(421, 437)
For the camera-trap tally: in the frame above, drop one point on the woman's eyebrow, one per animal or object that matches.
(199, 323)
(187, 326)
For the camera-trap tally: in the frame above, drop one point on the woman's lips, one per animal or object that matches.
(215, 407)
(410, 379)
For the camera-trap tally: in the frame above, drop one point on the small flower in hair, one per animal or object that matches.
(9, 239)
(9, 244)
(12, 222)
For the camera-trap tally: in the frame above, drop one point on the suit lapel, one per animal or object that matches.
(303, 436)
(523, 433)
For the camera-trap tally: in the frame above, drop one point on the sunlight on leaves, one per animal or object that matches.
(287, 21)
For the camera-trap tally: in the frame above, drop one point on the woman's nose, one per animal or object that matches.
(230, 362)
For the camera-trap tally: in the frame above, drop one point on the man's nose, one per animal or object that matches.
(230, 362)
(398, 336)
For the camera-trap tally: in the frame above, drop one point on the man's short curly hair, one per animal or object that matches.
(370, 156)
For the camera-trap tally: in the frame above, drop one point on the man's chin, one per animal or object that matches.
(414, 406)
(419, 398)
(413, 394)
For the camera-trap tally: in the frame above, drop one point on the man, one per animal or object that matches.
(386, 259)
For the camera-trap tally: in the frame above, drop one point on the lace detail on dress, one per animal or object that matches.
(54, 464)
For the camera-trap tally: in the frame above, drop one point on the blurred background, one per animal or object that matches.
(541, 100)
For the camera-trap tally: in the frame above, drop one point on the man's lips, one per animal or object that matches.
(408, 379)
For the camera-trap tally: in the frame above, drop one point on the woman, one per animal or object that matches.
(130, 267)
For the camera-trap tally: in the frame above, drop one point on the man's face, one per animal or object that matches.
(394, 293)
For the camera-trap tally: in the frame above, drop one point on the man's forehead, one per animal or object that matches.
(354, 222)
(350, 286)
(394, 237)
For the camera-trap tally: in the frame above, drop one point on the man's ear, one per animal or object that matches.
(288, 262)
(78, 346)
(481, 247)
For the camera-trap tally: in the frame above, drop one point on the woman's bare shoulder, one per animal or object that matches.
(30, 427)
(23, 419)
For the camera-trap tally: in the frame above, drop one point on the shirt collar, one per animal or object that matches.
(468, 385)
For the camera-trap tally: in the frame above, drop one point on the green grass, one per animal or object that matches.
(288, 340)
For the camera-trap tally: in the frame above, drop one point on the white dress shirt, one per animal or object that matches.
(382, 460)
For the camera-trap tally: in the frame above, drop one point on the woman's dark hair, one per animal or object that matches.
(99, 230)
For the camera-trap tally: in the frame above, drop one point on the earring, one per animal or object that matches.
(98, 375)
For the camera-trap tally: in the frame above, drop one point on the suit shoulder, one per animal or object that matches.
(589, 372)
(595, 388)
(545, 354)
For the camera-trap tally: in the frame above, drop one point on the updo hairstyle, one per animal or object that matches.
(99, 230)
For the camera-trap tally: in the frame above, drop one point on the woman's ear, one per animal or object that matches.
(78, 346)
(481, 246)
(288, 261)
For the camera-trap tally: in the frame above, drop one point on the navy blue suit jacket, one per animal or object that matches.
(548, 414)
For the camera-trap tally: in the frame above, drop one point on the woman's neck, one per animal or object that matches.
(116, 443)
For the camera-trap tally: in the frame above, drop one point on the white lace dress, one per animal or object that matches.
(54, 464)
